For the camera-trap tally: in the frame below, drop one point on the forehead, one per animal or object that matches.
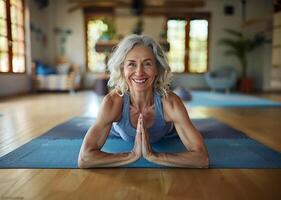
(140, 52)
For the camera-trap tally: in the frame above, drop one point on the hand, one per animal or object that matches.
(145, 145)
(137, 150)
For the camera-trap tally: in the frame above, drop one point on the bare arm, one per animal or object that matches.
(196, 156)
(90, 154)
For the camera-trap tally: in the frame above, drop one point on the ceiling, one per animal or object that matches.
(139, 6)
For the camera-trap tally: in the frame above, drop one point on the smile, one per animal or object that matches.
(140, 81)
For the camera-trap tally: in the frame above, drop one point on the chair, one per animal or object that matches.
(221, 78)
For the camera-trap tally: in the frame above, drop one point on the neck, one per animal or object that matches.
(142, 100)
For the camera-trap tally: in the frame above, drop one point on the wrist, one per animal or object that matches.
(150, 156)
(134, 156)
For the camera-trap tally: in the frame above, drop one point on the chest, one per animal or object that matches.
(148, 117)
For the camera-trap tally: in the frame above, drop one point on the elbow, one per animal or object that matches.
(205, 160)
(83, 160)
(82, 164)
(88, 159)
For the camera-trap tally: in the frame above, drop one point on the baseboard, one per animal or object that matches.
(15, 95)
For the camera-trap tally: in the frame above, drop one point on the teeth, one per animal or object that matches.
(139, 81)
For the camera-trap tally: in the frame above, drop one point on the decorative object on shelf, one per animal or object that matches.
(63, 33)
(240, 46)
(105, 47)
(39, 34)
(102, 47)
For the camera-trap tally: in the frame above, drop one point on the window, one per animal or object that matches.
(96, 60)
(12, 42)
(176, 38)
(100, 33)
(188, 39)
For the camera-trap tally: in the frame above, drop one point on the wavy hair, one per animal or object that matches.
(116, 62)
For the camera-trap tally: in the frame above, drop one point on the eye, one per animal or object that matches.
(147, 64)
(131, 64)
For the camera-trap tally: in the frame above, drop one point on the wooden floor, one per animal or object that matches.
(27, 117)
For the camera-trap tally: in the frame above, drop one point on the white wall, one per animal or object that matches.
(39, 42)
(14, 84)
(75, 47)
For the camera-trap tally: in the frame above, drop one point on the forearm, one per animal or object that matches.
(185, 160)
(98, 158)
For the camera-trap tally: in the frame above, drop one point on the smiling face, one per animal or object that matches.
(140, 69)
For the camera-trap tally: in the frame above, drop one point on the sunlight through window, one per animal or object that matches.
(197, 59)
(96, 60)
(198, 36)
(176, 39)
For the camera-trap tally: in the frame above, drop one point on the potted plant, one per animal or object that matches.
(110, 31)
(240, 46)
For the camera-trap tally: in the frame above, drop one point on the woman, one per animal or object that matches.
(141, 109)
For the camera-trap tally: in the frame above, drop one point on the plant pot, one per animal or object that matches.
(246, 84)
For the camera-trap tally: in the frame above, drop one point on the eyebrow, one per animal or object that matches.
(130, 60)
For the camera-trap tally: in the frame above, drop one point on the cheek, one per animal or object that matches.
(154, 72)
(126, 74)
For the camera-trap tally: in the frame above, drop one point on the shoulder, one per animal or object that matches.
(112, 99)
(111, 105)
(171, 100)
(172, 106)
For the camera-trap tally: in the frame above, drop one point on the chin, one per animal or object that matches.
(143, 88)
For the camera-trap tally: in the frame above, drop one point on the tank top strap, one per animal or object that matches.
(126, 107)
(158, 106)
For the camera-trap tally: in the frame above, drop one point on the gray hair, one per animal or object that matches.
(116, 62)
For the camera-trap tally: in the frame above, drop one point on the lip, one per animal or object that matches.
(139, 80)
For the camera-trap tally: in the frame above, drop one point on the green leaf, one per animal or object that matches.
(234, 32)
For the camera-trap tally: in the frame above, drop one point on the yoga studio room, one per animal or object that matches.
(140, 99)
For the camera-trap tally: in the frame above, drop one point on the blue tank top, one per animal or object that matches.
(159, 129)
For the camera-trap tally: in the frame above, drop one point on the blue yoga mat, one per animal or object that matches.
(215, 99)
(59, 147)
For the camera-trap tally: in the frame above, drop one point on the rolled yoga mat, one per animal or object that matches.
(59, 147)
(216, 99)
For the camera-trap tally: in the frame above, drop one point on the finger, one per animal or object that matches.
(144, 138)
(142, 126)
(141, 120)
(139, 124)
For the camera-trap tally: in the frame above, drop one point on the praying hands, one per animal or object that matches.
(142, 146)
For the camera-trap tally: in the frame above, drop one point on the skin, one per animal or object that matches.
(139, 71)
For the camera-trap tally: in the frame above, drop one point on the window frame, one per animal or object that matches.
(188, 17)
(10, 39)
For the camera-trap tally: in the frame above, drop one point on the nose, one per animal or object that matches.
(139, 69)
